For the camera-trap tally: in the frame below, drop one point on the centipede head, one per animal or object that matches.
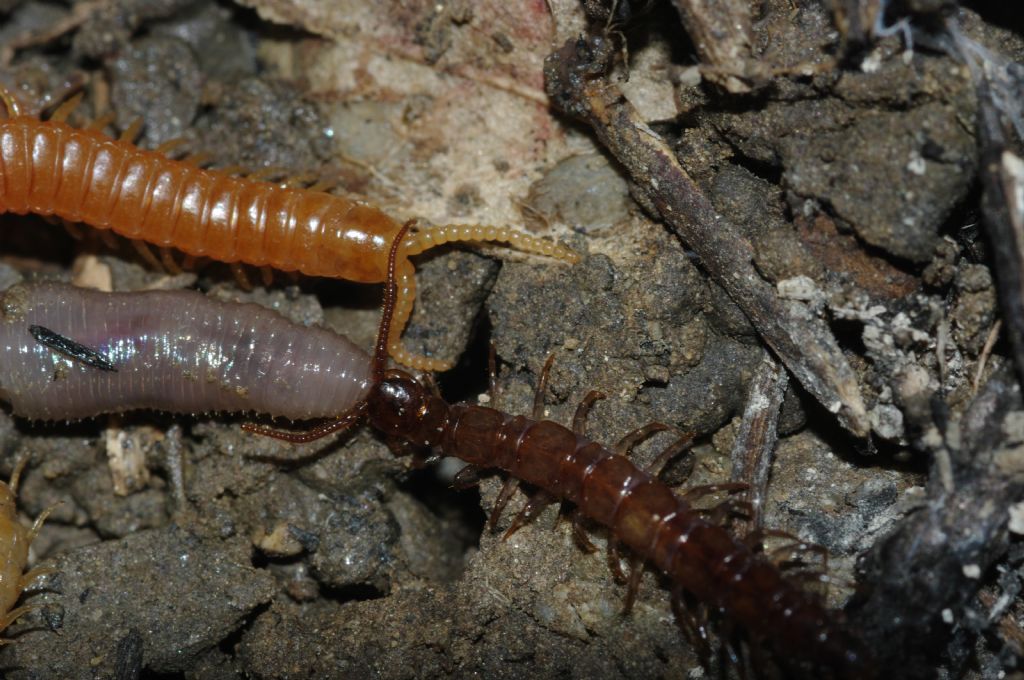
(402, 407)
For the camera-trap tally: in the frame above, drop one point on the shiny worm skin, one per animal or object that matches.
(81, 175)
(176, 351)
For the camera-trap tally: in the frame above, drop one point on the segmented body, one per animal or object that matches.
(701, 558)
(15, 540)
(175, 351)
(81, 175)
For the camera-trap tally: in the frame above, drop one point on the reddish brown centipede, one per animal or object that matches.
(81, 175)
(702, 558)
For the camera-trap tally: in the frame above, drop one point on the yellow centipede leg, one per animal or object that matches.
(101, 122)
(147, 255)
(169, 145)
(65, 109)
(131, 132)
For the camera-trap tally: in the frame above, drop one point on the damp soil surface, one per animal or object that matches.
(846, 256)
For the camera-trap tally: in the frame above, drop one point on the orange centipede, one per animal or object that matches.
(49, 167)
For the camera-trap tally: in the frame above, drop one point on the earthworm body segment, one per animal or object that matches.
(176, 351)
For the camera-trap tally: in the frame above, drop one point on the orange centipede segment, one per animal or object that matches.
(81, 175)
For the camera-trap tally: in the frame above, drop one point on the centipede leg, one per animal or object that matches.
(580, 533)
(322, 185)
(100, 123)
(73, 230)
(12, 616)
(694, 631)
(466, 478)
(507, 489)
(267, 172)
(625, 445)
(536, 503)
(38, 524)
(29, 577)
(729, 650)
(615, 561)
(109, 240)
(19, 467)
(636, 572)
(167, 260)
(170, 145)
(147, 255)
(238, 271)
(298, 180)
(198, 159)
(267, 276)
(729, 508)
(64, 110)
(797, 545)
(129, 133)
(697, 492)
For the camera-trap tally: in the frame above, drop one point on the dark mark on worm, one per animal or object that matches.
(71, 349)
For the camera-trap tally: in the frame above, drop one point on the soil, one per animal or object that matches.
(847, 164)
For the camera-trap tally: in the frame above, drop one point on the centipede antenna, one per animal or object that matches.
(380, 352)
(318, 432)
